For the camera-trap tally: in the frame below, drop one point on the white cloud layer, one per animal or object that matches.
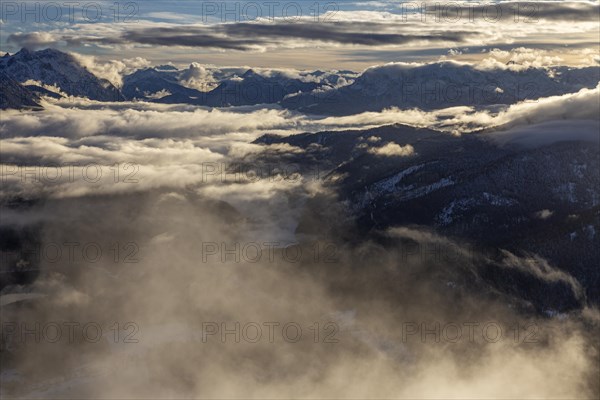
(393, 150)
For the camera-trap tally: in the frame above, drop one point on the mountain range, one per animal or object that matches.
(430, 86)
(536, 199)
(542, 200)
(248, 88)
(443, 85)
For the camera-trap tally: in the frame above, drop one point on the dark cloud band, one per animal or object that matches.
(248, 36)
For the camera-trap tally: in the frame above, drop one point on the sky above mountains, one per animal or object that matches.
(308, 34)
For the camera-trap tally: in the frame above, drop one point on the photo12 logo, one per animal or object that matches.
(269, 252)
(468, 12)
(69, 253)
(68, 11)
(269, 332)
(240, 172)
(235, 11)
(66, 332)
(471, 332)
(70, 173)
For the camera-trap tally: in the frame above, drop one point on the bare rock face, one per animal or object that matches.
(13, 95)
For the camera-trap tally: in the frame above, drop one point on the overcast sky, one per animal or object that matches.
(304, 34)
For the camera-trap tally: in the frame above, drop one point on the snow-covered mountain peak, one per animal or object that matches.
(55, 68)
